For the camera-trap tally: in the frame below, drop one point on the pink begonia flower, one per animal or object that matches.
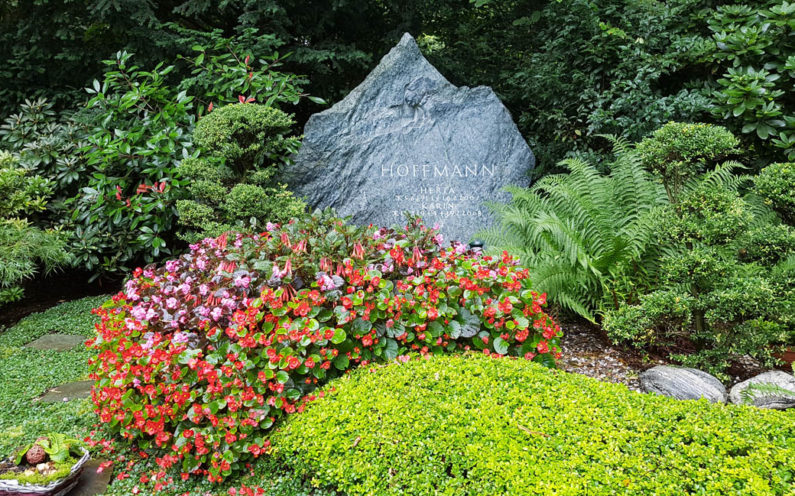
(326, 283)
(204, 289)
(242, 281)
(139, 312)
(171, 303)
(216, 313)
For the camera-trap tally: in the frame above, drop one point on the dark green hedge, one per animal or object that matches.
(475, 425)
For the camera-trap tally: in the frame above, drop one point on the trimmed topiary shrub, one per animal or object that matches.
(472, 425)
(678, 151)
(246, 135)
(201, 356)
(776, 184)
(221, 202)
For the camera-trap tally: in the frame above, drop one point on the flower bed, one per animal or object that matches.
(201, 356)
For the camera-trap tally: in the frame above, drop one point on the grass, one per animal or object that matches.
(26, 374)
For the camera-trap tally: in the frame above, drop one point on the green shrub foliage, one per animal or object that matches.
(715, 297)
(678, 152)
(24, 247)
(139, 132)
(235, 186)
(48, 143)
(473, 425)
(776, 184)
(584, 234)
(247, 136)
(756, 51)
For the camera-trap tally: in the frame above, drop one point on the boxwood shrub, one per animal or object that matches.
(477, 425)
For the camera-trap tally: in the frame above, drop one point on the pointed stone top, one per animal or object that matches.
(402, 65)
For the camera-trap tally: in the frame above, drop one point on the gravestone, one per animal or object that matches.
(406, 139)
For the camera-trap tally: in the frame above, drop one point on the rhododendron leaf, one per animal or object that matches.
(500, 346)
(339, 336)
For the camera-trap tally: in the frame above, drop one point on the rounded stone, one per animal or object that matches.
(683, 384)
(772, 396)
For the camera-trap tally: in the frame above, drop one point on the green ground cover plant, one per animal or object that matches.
(27, 373)
(475, 425)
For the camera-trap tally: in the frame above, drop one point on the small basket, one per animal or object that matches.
(58, 487)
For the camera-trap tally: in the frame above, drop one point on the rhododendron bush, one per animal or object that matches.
(201, 356)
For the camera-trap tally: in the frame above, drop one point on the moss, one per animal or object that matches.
(62, 469)
(474, 425)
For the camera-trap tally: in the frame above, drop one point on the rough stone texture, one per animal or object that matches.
(406, 139)
(682, 384)
(91, 483)
(57, 342)
(773, 400)
(67, 392)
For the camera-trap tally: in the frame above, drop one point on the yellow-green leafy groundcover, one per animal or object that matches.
(477, 425)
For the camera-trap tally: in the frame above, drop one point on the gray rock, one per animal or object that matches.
(57, 342)
(68, 392)
(682, 384)
(767, 399)
(406, 139)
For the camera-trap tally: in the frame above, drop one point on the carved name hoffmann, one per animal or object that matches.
(428, 170)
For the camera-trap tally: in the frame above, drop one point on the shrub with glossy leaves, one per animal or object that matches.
(472, 426)
(201, 356)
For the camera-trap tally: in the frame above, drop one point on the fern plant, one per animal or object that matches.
(584, 235)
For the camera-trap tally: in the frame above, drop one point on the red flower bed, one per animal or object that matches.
(201, 356)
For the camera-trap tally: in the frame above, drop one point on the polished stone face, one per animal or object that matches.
(406, 140)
